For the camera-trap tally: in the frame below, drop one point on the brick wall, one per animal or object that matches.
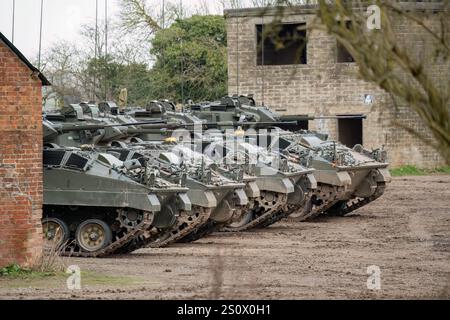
(20, 162)
(325, 87)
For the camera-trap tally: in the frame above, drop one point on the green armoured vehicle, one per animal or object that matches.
(285, 186)
(282, 192)
(95, 205)
(205, 182)
(347, 178)
(183, 221)
(211, 192)
(364, 171)
(264, 211)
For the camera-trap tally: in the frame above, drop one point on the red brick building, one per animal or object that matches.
(20, 157)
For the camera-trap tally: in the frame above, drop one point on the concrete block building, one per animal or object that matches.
(322, 79)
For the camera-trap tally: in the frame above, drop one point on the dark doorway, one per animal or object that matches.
(350, 131)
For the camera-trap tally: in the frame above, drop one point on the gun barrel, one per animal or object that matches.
(67, 127)
(153, 126)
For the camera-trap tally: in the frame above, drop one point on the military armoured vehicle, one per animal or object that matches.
(365, 172)
(169, 176)
(347, 178)
(209, 190)
(292, 180)
(273, 202)
(153, 139)
(284, 186)
(208, 187)
(95, 204)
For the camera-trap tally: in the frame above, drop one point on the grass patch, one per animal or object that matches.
(15, 277)
(16, 271)
(443, 170)
(409, 170)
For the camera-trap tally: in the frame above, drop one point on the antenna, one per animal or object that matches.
(13, 20)
(95, 50)
(182, 59)
(40, 35)
(163, 14)
(182, 74)
(262, 58)
(106, 49)
(237, 56)
(163, 58)
(181, 9)
(262, 55)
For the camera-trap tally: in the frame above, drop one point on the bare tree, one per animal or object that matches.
(135, 16)
(145, 17)
(231, 4)
(203, 7)
(384, 59)
(61, 64)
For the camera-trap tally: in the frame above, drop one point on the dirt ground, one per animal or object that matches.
(406, 233)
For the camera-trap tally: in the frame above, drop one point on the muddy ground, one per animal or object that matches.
(406, 233)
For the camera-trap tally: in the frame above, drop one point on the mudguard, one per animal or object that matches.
(367, 186)
(331, 177)
(241, 197)
(202, 198)
(310, 182)
(383, 175)
(155, 205)
(280, 185)
(252, 190)
(184, 202)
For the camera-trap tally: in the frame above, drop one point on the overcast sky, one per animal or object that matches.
(61, 20)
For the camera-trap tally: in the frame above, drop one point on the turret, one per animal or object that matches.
(243, 109)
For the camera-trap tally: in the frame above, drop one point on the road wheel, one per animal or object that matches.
(245, 219)
(55, 232)
(93, 235)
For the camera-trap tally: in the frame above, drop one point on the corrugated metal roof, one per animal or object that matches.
(19, 54)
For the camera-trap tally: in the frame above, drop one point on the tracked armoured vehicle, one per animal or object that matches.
(208, 187)
(365, 172)
(284, 186)
(96, 205)
(269, 207)
(185, 218)
(347, 178)
(220, 198)
(282, 191)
